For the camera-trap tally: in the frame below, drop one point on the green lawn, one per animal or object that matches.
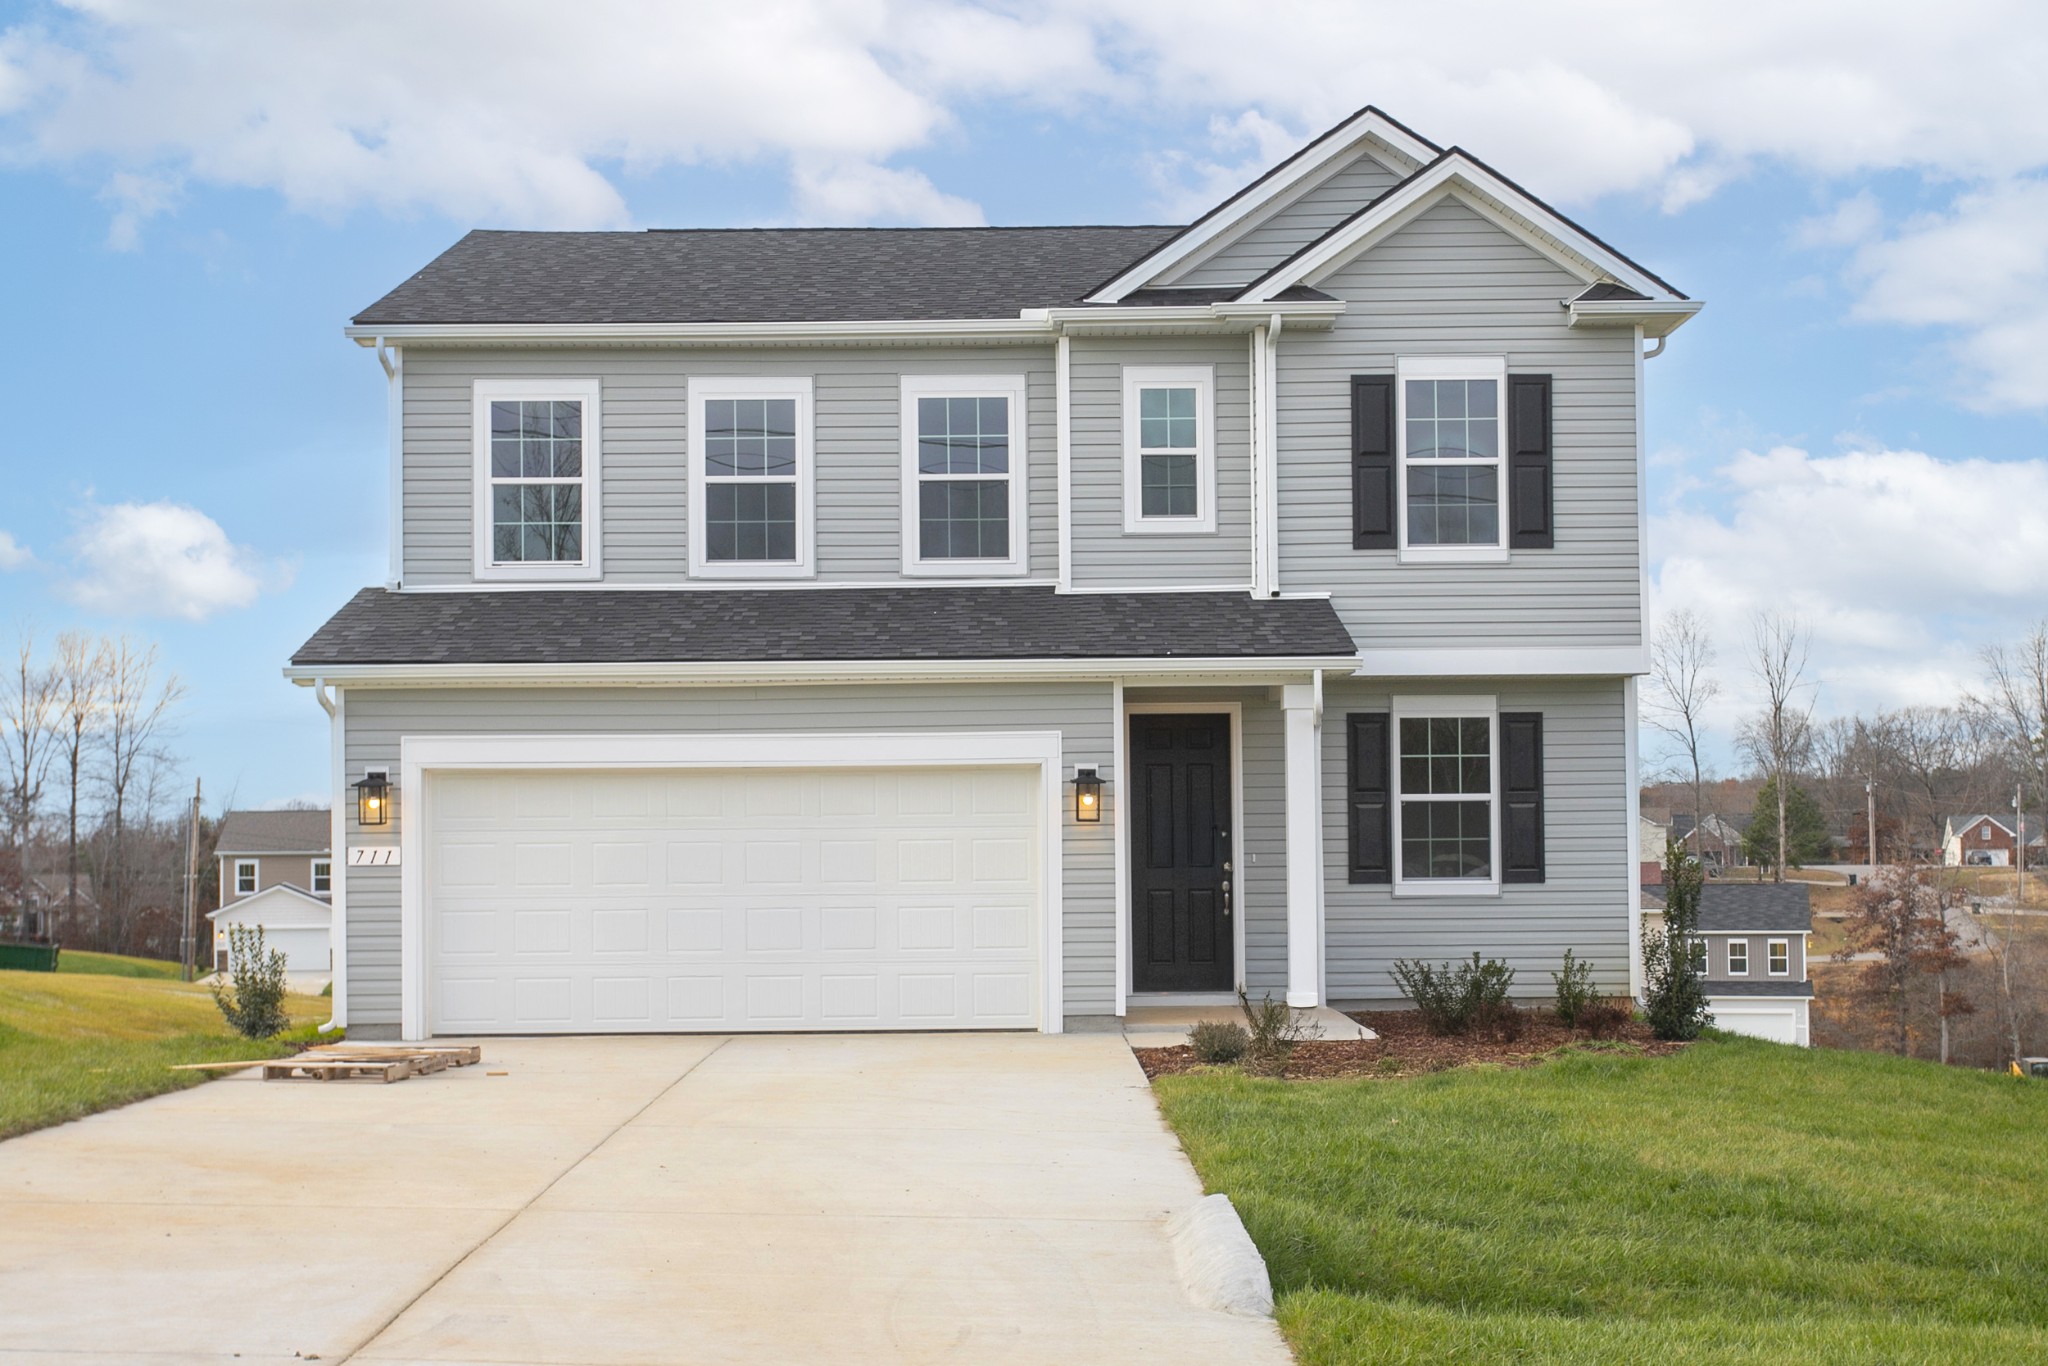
(1737, 1202)
(118, 965)
(70, 1045)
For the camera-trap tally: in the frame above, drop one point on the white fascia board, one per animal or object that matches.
(1228, 316)
(1347, 137)
(1657, 318)
(283, 892)
(1569, 661)
(1026, 328)
(1451, 171)
(809, 671)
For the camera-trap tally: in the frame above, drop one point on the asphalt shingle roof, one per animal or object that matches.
(825, 624)
(1768, 986)
(1757, 907)
(760, 275)
(274, 832)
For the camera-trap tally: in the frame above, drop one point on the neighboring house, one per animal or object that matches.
(1978, 842)
(1653, 833)
(1715, 841)
(277, 870)
(997, 627)
(1752, 947)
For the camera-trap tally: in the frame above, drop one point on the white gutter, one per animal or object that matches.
(337, 853)
(1657, 318)
(393, 361)
(1063, 445)
(804, 671)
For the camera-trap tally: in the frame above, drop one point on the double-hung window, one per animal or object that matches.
(750, 477)
(536, 473)
(1778, 957)
(245, 876)
(1696, 950)
(323, 876)
(963, 474)
(1738, 958)
(1451, 430)
(1169, 449)
(1446, 786)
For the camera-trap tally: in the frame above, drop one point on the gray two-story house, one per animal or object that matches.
(997, 628)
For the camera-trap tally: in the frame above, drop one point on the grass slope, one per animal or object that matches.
(118, 965)
(71, 1045)
(1738, 1202)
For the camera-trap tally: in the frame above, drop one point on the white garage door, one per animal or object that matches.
(1778, 1023)
(766, 899)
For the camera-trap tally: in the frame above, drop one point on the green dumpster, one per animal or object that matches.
(25, 957)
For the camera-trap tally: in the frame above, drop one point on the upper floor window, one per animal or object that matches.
(1449, 427)
(245, 876)
(1778, 958)
(536, 479)
(323, 876)
(1696, 951)
(1738, 958)
(963, 474)
(1169, 448)
(750, 477)
(1446, 781)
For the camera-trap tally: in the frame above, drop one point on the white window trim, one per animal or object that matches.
(1467, 705)
(1449, 367)
(313, 876)
(1011, 387)
(1698, 952)
(1202, 378)
(1771, 948)
(255, 881)
(585, 391)
(1742, 971)
(798, 387)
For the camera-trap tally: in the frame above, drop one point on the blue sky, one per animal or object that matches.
(194, 198)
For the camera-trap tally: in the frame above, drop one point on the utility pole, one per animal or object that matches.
(189, 944)
(1870, 825)
(2020, 855)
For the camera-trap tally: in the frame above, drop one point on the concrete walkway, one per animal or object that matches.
(919, 1198)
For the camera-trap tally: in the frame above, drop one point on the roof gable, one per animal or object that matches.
(282, 904)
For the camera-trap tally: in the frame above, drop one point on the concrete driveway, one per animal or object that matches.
(919, 1198)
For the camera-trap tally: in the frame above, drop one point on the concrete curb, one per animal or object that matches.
(1219, 1264)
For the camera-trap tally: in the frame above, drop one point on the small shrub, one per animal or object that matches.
(1500, 1020)
(254, 1008)
(1219, 1041)
(1451, 1000)
(1575, 990)
(1604, 1019)
(1275, 1027)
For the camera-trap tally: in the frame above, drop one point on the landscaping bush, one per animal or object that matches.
(1575, 991)
(1674, 996)
(1219, 1041)
(254, 1008)
(1603, 1019)
(1452, 1000)
(1275, 1027)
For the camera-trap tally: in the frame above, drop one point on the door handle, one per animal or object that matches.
(1226, 898)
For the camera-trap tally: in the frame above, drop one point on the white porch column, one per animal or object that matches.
(1304, 846)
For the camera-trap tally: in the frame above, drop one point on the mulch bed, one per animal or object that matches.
(1405, 1048)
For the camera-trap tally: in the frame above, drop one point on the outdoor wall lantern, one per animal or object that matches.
(1087, 794)
(373, 797)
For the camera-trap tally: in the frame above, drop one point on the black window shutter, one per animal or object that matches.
(1521, 796)
(1372, 462)
(1529, 463)
(1367, 760)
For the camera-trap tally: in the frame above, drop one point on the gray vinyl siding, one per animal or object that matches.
(1759, 958)
(1584, 902)
(1451, 283)
(272, 870)
(377, 719)
(1104, 556)
(1294, 224)
(644, 480)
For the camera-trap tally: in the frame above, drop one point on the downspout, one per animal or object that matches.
(1323, 879)
(1258, 449)
(1063, 446)
(393, 361)
(337, 846)
(1269, 417)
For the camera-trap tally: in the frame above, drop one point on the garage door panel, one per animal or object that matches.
(723, 901)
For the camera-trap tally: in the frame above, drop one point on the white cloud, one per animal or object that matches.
(862, 192)
(162, 559)
(13, 554)
(1901, 563)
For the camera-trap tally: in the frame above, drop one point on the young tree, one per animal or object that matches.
(1802, 838)
(1901, 916)
(1674, 994)
(28, 708)
(137, 708)
(1779, 735)
(2016, 704)
(1682, 686)
(82, 666)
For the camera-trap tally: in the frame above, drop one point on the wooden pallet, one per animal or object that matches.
(372, 1062)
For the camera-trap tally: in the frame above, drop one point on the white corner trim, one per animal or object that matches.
(703, 389)
(1063, 453)
(585, 390)
(1120, 739)
(420, 755)
(1202, 379)
(1563, 661)
(1013, 389)
(394, 421)
(1631, 775)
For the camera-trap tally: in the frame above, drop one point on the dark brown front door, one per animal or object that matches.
(1180, 855)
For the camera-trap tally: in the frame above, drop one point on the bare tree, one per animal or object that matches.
(81, 668)
(1682, 686)
(137, 708)
(1901, 916)
(1779, 737)
(28, 707)
(2016, 703)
